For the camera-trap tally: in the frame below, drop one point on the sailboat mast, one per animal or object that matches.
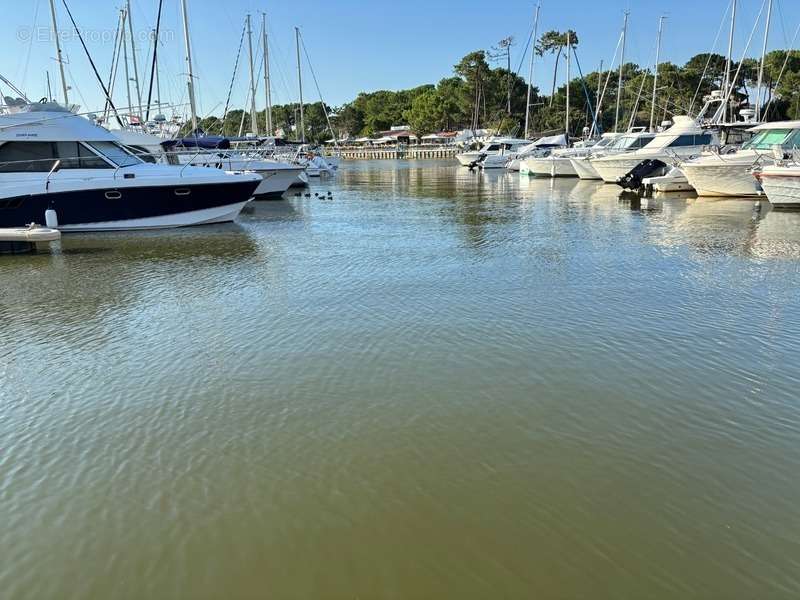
(621, 63)
(655, 75)
(726, 91)
(154, 66)
(300, 85)
(112, 76)
(267, 83)
(124, 16)
(253, 113)
(569, 76)
(596, 121)
(530, 70)
(763, 58)
(59, 55)
(189, 73)
(135, 63)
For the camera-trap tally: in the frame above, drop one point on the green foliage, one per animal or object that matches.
(476, 95)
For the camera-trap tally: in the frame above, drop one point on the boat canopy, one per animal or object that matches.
(208, 142)
(550, 141)
(777, 125)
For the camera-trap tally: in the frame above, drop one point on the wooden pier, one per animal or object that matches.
(396, 152)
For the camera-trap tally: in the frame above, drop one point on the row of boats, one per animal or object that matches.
(738, 159)
(78, 172)
(60, 169)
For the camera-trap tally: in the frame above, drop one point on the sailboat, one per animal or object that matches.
(198, 149)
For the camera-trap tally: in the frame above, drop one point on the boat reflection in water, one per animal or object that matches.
(777, 235)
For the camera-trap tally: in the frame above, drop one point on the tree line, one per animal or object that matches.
(478, 95)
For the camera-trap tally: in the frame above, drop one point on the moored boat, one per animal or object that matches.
(59, 169)
(729, 173)
(781, 183)
(494, 147)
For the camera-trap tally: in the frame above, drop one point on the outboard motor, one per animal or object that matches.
(646, 168)
(476, 162)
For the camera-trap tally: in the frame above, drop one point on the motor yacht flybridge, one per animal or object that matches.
(676, 141)
(60, 169)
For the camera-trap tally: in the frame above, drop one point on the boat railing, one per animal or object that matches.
(233, 160)
(55, 164)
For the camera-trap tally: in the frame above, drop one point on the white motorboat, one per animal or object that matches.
(211, 151)
(729, 172)
(317, 166)
(673, 180)
(541, 147)
(781, 184)
(494, 147)
(559, 162)
(59, 169)
(686, 138)
(630, 141)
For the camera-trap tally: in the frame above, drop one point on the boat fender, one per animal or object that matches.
(51, 218)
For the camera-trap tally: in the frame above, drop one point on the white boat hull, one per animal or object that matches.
(584, 169)
(612, 168)
(514, 165)
(468, 158)
(208, 216)
(549, 167)
(275, 182)
(672, 181)
(782, 186)
(723, 179)
(495, 161)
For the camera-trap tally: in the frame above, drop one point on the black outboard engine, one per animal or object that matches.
(476, 162)
(646, 168)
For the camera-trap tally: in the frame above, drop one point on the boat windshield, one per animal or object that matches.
(765, 140)
(115, 153)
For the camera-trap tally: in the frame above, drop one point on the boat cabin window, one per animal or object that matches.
(74, 155)
(142, 153)
(691, 140)
(765, 140)
(115, 153)
(493, 147)
(40, 157)
(622, 142)
(642, 141)
(27, 157)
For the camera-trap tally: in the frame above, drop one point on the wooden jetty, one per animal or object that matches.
(399, 152)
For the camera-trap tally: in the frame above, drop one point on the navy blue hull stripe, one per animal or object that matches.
(122, 204)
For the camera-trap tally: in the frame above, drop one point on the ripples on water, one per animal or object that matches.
(439, 384)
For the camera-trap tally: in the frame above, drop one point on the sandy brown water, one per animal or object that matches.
(437, 385)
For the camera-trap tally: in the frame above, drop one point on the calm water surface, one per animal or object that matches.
(437, 385)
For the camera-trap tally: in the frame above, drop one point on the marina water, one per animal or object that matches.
(438, 384)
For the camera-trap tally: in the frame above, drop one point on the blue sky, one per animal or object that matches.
(358, 45)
